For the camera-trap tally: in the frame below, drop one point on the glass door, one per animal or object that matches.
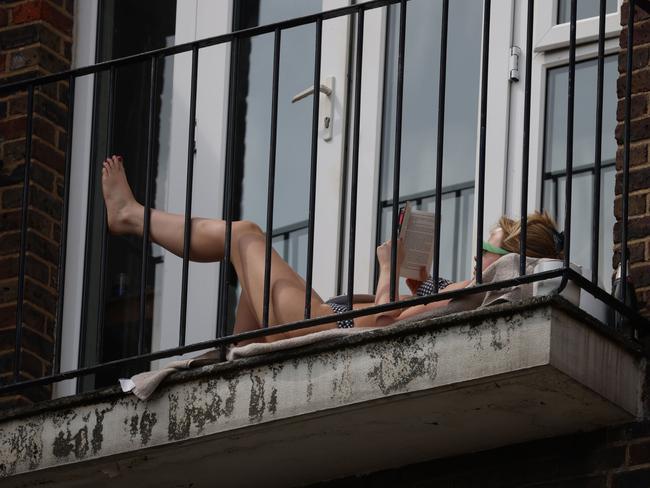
(250, 133)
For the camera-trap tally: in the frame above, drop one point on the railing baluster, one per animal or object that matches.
(595, 215)
(525, 150)
(187, 231)
(481, 160)
(151, 129)
(398, 147)
(355, 156)
(626, 145)
(63, 245)
(569, 137)
(271, 184)
(224, 270)
(22, 263)
(101, 312)
(442, 85)
(312, 176)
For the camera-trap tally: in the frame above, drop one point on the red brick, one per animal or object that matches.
(39, 222)
(26, 12)
(639, 130)
(44, 129)
(4, 17)
(636, 206)
(61, 21)
(45, 202)
(640, 275)
(11, 198)
(9, 243)
(41, 247)
(43, 176)
(34, 318)
(638, 228)
(37, 270)
(640, 59)
(639, 13)
(48, 155)
(8, 267)
(641, 34)
(8, 291)
(639, 180)
(7, 316)
(13, 401)
(13, 128)
(10, 221)
(638, 107)
(640, 83)
(638, 155)
(40, 296)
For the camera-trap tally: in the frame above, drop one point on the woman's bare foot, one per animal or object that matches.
(125, 214)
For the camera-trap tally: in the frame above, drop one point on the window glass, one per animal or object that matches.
(111, 332)
(585, 9)
(419, 120)
(253, 123)
(585, 114)
(583, 163)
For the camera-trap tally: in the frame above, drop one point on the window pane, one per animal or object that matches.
(584, 128)
(126, 28)
(586, 9)
(584, 144)
(294, 120)
(419, 120)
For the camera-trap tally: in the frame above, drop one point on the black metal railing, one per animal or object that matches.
(234, 38)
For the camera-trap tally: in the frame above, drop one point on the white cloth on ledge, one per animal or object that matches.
(144, 384)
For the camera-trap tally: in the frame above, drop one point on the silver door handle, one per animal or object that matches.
(310, 91)
(326, 108)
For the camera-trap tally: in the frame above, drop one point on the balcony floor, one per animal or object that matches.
(386, 398)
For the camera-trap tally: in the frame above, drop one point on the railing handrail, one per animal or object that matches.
(198, 44)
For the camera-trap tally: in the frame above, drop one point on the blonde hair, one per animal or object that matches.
(542, 238)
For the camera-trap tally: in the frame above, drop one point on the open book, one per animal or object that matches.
(416, 228)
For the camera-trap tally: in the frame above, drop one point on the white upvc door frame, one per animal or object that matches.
(550, 50)
(85, 35)
(498, 120)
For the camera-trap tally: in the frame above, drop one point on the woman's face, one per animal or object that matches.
(496, 238)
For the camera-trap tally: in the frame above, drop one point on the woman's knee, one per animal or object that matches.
(242, 227)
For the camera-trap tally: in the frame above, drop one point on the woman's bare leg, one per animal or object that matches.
(248, 243)
(126, 216)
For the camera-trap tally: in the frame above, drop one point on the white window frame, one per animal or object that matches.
(551, 49)
(85, 24)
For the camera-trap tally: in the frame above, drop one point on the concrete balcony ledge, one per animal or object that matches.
(384, 398)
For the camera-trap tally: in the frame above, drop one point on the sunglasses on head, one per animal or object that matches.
(487, 247)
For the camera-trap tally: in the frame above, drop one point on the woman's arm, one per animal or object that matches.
(405, 313)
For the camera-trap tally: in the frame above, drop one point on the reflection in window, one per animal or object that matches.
(253, 123)
(419, 129)
(583, 160)
(586, 9)
(111, 332)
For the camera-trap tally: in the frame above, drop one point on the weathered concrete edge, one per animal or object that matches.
(471, 317)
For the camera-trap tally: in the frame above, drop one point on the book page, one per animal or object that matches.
(418, 241)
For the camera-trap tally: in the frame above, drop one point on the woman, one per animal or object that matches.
(287, 288)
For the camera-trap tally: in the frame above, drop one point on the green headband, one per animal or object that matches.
(494, 249)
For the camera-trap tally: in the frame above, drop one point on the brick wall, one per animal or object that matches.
(609, 458)
(35, 39)
(639, 203)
